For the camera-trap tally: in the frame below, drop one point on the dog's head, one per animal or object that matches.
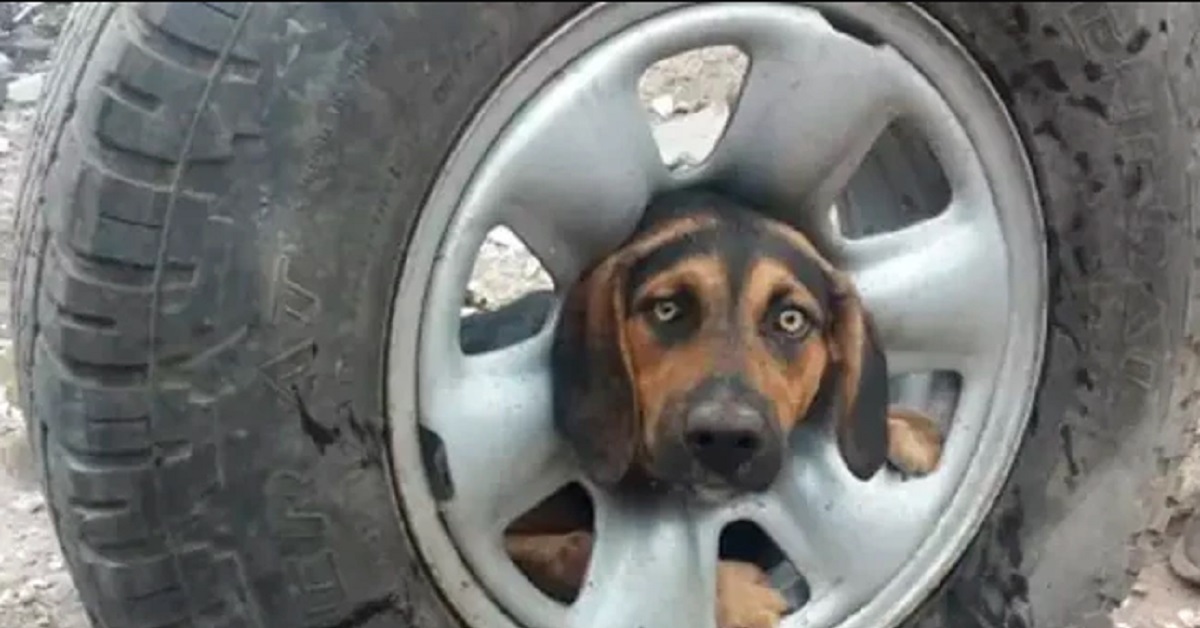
(691, 352)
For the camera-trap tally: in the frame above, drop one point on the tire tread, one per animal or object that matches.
(124, 474)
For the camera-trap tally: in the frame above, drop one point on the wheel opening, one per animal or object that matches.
(853, 28)
(744, 541)
(934, 394)
(551, 543)
(688, 98)
(508, 297)
(900, 183)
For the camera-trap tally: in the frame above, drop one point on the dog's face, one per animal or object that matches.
(692, 351)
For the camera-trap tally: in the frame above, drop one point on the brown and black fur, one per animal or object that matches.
(683, 360)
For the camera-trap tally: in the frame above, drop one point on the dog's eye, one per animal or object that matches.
(666, 310)
(792, 322)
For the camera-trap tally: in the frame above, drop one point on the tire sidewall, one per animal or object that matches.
(1091, 90)
(360, 105)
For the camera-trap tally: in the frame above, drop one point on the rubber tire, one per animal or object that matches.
(214, 215)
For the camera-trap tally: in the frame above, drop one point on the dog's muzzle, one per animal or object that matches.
(725, 435)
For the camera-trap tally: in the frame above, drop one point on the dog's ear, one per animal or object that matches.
(862, 383)
(595, 405)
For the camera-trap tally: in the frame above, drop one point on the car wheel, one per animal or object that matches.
(245, 232)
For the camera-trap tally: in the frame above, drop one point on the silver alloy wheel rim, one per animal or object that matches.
(564, 134)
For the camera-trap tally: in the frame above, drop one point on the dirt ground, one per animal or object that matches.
(683, 96)
(35, 589)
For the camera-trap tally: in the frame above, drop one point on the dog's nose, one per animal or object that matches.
(724, 436)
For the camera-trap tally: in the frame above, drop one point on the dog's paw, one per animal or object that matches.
(914, 442)
(745, 598)
(554, 563)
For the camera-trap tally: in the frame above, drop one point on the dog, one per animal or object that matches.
(682, 361)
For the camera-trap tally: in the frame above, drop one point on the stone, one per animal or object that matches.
(29, 502)
(505, 237)
(663, 106)
(688, 139)
(27, 89)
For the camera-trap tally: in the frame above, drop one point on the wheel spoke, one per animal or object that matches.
(822, 561)
(493, 418)
(845, 536)
(815, 521)
(653, 565)
(936, 290)
(814, 103)
(576, 168)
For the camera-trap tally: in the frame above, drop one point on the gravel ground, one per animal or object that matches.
(687, 98)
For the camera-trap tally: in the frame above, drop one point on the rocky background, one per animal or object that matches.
(688, 99)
